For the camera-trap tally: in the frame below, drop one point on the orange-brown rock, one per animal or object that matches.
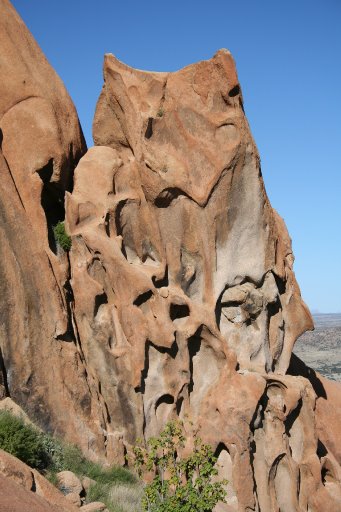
(185, 298)
(40, 144)
(15, 498)
(178, 296)
(23, 486)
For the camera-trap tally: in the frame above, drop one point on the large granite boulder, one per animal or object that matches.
(40, 144)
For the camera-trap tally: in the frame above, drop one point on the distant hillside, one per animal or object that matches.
(321, 349)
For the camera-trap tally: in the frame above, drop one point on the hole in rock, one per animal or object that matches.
(149, 130)
(144, 297)
(178, 311)
(164, 408)
(99, 300)
(327, 474)
(1, 138)
(167, 196)
(235, 91)
(161, 283)
(118, 211)
(321, 449)
(221, 447)
(274, 308)
(164, 399)
(52, 202)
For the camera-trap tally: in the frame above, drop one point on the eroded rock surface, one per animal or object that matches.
(40, 144)
(185, 298)
(178, 296)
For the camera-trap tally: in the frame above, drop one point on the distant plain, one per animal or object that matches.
(321, 349)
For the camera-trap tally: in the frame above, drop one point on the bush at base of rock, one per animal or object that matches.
(23, 441)
(63, 465)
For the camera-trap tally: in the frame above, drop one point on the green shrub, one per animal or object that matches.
(23, 441)
(180, 484)
(50, 455)
(62, 238)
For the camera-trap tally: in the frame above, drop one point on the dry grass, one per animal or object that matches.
(126, 497)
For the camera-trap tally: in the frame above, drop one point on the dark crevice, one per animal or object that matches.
(218, 309)
(273, 469)
(234, 91)
(172, 351)
(163, 282)
(178, 405)
(144, 297)
(252, 451)
(280, 284)
(274, 308)
(108, 417)
(164, 399)
(3, 375)
(1, 139)
(178, 311)
(219, 449)
(123, 250)
(52, 202)
(288, 423)
(118, 211)
(70, 334)
(231, 304)
(107, 224)
(149, 167)
(258, 415)
(149, 130)
(34, 485)
(327, 474)
(168, 195)
(194, 345)
(321, 449)
(99, 300)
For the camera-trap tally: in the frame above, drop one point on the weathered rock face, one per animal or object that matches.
(178, 296)
(185, 298)
(40, 144)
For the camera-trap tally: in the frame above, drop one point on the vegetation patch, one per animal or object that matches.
(178, 483)
(50, 456)
(62, 238)
(23, 441)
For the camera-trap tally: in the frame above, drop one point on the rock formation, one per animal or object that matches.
(178, 296)
(24, 488)
(40, 144)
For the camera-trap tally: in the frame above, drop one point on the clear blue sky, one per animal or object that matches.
(288, 56)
